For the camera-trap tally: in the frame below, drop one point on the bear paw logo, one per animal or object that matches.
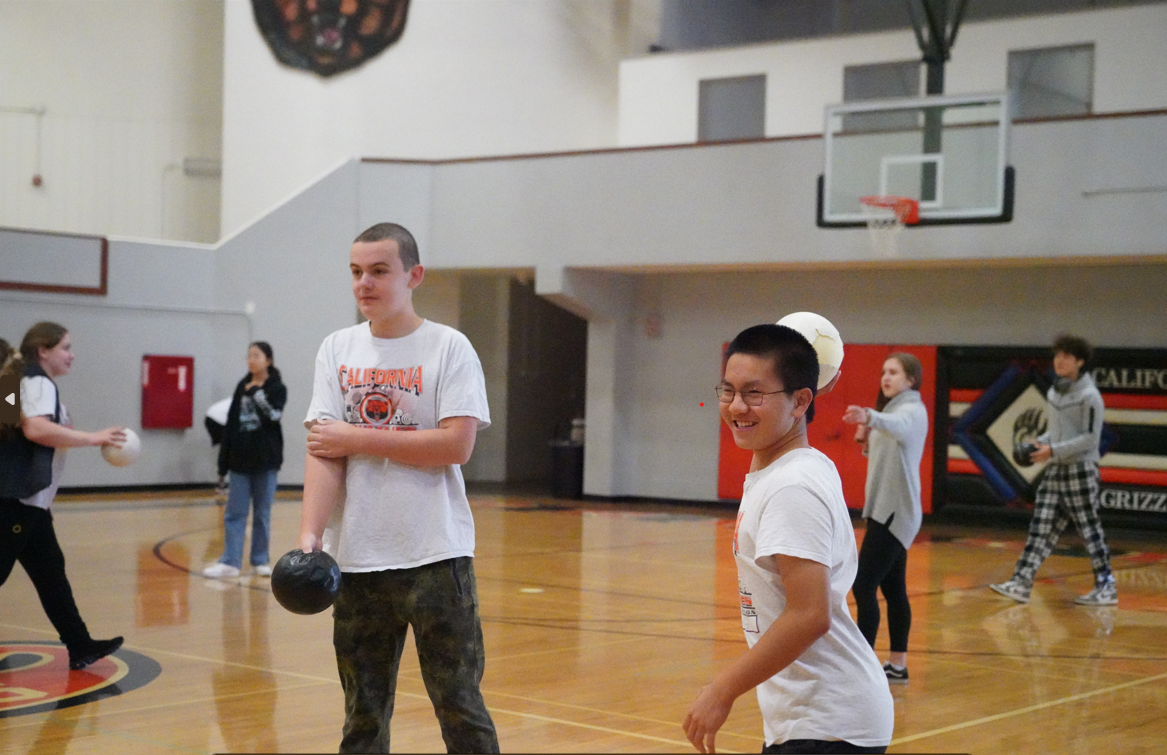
(1029, 424)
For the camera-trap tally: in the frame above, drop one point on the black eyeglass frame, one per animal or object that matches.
(757, 397)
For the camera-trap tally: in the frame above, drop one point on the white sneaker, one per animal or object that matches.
(1102, 595)
(263, 570)
(220, 570)
(1012, 589)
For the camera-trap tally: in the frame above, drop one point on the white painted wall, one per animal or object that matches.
(289, 269)
(658, 93)
(129, 88)
(754, 204)
(467, 78)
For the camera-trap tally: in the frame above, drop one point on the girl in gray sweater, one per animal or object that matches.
(895, 434)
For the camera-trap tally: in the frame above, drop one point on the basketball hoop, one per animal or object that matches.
(886, 217)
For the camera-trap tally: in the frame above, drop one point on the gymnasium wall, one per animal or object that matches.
(129, 89)
(658, 93)
(1086, 188)
(467, 78)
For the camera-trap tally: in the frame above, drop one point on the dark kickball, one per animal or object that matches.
(1023, 452)
(305, 583)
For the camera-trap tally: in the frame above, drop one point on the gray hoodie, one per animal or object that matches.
(1075, 422)
(894, 452)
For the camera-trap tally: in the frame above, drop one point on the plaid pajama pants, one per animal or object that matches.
(1068, 492)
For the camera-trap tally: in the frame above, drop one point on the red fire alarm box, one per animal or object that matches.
(167, 392)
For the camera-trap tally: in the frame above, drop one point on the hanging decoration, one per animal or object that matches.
(329, 37)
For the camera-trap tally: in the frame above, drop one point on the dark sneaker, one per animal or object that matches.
(895, 674)
(91, 651)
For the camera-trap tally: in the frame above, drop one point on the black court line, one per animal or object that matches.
(157, 550)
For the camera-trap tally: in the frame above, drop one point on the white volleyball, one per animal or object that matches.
(825, 339)
(127, 454)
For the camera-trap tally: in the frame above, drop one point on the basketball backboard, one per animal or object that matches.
(949, 152)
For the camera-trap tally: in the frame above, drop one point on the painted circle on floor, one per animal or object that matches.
(35, 677)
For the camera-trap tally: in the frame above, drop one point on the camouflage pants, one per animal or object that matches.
(1068, 492)
(371, 616)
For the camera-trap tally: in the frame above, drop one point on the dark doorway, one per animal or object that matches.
(546, 386)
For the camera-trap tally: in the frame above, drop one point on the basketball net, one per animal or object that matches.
(886, 217)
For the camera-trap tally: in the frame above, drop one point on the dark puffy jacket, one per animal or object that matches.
(252, 438)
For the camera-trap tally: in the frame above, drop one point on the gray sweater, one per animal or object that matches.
(1075, 422)
(895, 448)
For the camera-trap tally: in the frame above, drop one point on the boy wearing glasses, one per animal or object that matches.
(819, 684)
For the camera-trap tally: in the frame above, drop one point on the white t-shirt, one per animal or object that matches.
(38, 398)
(397, 516)
(837, 688)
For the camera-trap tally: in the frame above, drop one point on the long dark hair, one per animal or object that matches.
(43, 335)
(265, 347)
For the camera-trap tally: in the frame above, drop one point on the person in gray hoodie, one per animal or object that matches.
(895, 433)
(1069, 488)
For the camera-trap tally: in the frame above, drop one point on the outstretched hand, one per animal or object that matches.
(856, 415)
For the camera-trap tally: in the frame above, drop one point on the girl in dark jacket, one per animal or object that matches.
(252, 450)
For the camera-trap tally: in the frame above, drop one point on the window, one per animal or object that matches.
(731, 108)
(881, 81)
(1053, 81)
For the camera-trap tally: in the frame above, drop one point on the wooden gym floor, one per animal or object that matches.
(602, 622)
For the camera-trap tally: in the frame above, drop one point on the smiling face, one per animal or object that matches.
(894, 380)
(772, 428)
(382, 286)
(58, 360)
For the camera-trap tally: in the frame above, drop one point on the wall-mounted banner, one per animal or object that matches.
(990, 398)
(329, 36)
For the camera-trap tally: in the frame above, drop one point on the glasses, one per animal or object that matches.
(726, 393)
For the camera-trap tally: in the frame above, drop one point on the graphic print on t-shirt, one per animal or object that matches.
(248, 416)
(749, 612)
(379, 398)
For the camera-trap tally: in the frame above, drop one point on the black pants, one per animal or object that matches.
(815, 746)
(883, 565)
(27, 536)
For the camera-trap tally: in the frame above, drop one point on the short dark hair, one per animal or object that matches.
(1075, 346)
(794, 360)
(406, 244)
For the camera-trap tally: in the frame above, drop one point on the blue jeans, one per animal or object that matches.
(261, 488)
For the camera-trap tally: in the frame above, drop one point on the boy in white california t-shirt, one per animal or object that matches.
(396, 404)
(820, 686)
